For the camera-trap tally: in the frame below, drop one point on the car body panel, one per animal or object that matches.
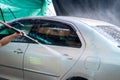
(49, 58)
(96, 59)
(11, 61)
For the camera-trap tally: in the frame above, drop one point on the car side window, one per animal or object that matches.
(5, 31)
(55, 33)
(23, 25)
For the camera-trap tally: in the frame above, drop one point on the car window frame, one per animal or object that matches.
(60, 22)
(39, 20)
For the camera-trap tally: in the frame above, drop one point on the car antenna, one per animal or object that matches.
(12, 13)
(2, 14)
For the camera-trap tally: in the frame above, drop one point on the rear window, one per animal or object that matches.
(110, 32)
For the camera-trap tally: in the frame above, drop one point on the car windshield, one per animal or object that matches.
(110, 32)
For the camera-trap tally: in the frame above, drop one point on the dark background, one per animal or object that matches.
(106, 10)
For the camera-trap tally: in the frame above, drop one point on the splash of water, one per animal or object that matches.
(105, 10)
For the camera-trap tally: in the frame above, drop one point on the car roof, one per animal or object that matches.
(90, 22)
(93, 22)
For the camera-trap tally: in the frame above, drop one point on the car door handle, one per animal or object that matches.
(68, 57)
(18, 51)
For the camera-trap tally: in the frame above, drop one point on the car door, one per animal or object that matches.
(11, 56)
(58, 49)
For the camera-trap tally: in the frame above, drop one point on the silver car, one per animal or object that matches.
(61, 48)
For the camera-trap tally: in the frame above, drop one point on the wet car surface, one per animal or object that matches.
(68, 48)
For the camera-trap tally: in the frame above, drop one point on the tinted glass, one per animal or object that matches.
(54, 33)
(23, 25)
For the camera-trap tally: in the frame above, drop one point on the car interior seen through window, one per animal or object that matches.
(46, 32)
(54, 33)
